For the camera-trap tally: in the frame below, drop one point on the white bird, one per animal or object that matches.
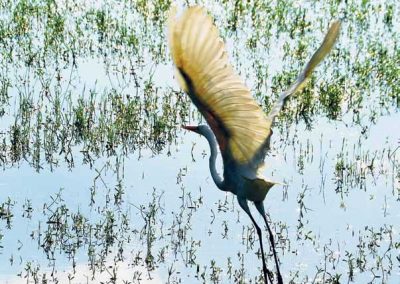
(236, 122)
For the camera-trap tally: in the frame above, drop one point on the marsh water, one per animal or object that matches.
(99, 182)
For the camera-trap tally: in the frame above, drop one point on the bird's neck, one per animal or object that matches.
(213, 157)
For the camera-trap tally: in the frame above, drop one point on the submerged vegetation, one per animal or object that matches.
(90, 119)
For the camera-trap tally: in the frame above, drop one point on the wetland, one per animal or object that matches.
(100, 184)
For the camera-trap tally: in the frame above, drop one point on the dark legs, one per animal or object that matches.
(260, 208)
(245, 207)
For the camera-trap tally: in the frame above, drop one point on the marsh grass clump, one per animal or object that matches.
(69, 232)
(331, 98)
(6, 212)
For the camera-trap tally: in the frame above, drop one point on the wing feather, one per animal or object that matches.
(326, 46)
(239, 124)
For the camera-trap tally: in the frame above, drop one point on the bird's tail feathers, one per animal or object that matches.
(256, 189)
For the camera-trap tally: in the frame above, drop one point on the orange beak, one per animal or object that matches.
(191, 128)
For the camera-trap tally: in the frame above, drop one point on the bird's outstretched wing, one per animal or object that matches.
(298, 85)
(318, 56)
(204, 72)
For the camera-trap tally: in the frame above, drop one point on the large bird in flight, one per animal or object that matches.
(236, 122)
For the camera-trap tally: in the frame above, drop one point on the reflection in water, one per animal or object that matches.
(97, 175)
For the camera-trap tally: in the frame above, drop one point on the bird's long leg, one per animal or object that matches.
(245, 207)
(260, 208)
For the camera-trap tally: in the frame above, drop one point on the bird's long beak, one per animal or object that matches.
(191, 128)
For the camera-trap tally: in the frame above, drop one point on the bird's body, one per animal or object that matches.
(244, 182)
(236, 122)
